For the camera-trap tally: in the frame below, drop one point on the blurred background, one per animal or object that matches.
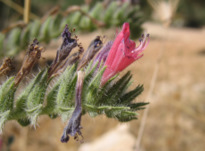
(172, 71)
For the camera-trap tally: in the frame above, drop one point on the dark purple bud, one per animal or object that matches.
(93, 48)
(72, 59)
(64, 138)
(67, 45)
(66, 33)
(63, 52)
(73, 128)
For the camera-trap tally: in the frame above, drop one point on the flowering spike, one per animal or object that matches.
(123, 52)
(76, 92)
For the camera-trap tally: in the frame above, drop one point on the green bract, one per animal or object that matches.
(114, 99)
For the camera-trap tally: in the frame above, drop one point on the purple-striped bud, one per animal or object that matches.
(93, 48)
(73, 128)
(102, 55)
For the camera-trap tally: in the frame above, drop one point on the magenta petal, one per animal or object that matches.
(129, 47)
(126, 61)
(122, 53)
(124, 34)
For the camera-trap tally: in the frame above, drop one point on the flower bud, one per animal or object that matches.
(73, 128)
(63, 52)
(93, 48)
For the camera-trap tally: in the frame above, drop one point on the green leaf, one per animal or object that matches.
(21, 100)
(96, 12)
(126, 116)
(44, 31)
(2, 37)
(119, 15)
(3, 118)
(13, 41)
(51, 100)
(131, 95)
(35, 29)
(36, 95)
(109, 13)
(138, 105)
(89, 73)
(66, 89)
(7, 92)
(75, 18)
(24, 122)
(109, 110)
(54, 26)
(25, 35)
(114, 90)
(33, 97)
(94, 87)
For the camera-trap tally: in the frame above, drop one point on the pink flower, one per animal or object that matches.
(123, 52)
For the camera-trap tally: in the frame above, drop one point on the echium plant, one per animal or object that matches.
(86, 84)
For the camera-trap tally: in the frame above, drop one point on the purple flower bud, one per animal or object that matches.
(63, 52)
(67, 45)
(73, 128)
(93, 48)
(102, 55)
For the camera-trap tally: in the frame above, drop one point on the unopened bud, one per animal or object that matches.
(93, 48)
(73, 128)
(63, 52)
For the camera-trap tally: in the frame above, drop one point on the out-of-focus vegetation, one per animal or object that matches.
(192, 13)
(83, 18)
(189, 13)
